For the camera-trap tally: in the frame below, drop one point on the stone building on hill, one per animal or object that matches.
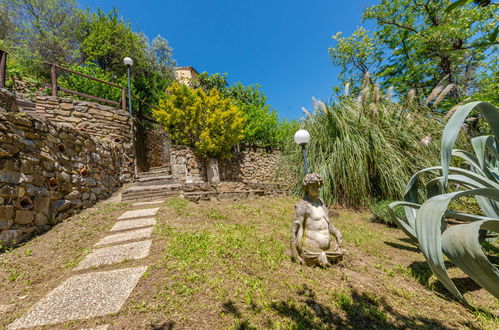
(185, 74)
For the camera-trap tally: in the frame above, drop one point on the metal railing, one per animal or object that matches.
(55, 88)
(3, 67)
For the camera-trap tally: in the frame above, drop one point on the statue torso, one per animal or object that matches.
(316, 235)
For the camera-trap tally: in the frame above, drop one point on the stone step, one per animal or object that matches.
(155, 180)
(149, 174)
(165, 187)
(151, 191)
(148, 196)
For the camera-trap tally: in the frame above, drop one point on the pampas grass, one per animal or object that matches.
(389, 93)
(364, 155)
(434, 93)
(347, 87)
(442, 95)
(411, 95)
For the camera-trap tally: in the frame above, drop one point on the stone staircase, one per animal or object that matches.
(156, 184)
(159, 183)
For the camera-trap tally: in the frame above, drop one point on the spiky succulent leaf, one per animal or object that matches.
(460, 244)
(430, 223)
(454, 124)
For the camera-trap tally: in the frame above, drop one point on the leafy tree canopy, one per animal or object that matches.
(417, 43)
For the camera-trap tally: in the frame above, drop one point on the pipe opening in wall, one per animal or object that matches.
(84, 171)
(24, 203)
(52, 184)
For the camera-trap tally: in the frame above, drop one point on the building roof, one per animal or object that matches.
(186, 68)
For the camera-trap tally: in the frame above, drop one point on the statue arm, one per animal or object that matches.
(297, 232)
(333, 230)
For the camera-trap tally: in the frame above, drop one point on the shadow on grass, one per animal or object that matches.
(422, 273)
(229, 307)
(358, 311)
(164, 326)
(411, 248)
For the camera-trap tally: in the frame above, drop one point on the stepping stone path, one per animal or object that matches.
(97, 293)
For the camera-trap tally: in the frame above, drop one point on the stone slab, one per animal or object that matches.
(126, 236)
(82, 297)
(148, 203)
(139, 213)
(114, 254)
(99, 327)
(132, 224)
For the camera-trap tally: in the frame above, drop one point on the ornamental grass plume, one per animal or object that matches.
(451, 111)
(389, 93)
(365, 95)
(323, 107)
(444, 93)
(411, 95)
(366, 79)
(434, 93)
(376, 93)
(347, 87)
(305, 111)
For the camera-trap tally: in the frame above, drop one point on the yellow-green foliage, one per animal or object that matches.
(209, 123)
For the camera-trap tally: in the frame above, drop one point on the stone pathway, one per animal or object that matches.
(98, 293)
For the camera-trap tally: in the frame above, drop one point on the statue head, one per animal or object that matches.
(311, 184)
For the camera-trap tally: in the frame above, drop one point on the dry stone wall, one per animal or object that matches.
(158, 147)
(101, 121)
(249, 166)
(49, 171)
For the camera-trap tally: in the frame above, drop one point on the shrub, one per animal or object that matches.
(92, 87)
(209, 123)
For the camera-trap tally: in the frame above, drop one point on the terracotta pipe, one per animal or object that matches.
(52, 184)
(84, 171)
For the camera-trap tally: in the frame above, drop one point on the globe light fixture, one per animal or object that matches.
(129, 62)
(302, 137)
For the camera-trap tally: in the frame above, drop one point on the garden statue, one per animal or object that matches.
(311, 241)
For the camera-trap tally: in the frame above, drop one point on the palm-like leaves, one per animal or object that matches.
(426, 223)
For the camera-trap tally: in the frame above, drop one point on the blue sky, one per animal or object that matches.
(280, 45)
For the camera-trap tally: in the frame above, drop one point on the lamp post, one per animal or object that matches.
(302, 137)
(129, 62)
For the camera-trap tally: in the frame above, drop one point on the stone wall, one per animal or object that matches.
(101, 121)
(49, 171)
(249, 166)
(158, 147)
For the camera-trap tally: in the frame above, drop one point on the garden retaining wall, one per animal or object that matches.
(248, 166)
(49, 171)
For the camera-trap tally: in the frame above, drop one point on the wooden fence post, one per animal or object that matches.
(123, 99)
(3, 67)
(53, 76)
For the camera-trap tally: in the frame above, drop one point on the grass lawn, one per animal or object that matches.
(227, 265)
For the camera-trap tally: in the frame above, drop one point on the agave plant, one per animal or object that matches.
(427, 223)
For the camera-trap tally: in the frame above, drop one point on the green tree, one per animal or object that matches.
(262, 122)
(110, 39)
(207, 122)
(50, 30)
(421, 44)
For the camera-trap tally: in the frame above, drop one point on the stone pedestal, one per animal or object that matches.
(212, 170)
